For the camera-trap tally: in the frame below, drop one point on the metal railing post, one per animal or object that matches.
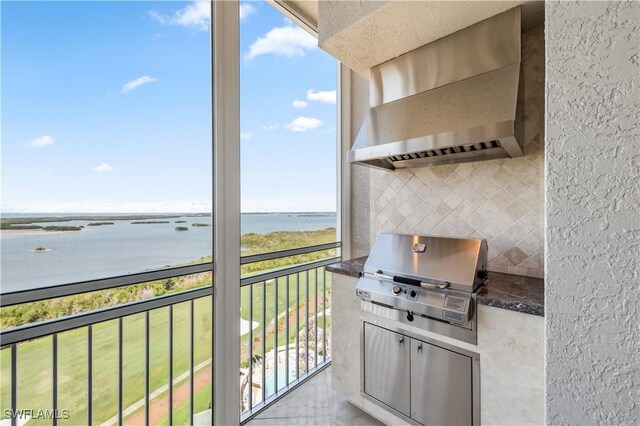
(297, 326)
(264, 341)
(89, 375)
(306, 326)
(146, 368)
(14, 383)
(191, 357)
(54, 393)
(170, 365)
(275, 346)
(324, 315)
(120, 371)
(286, 362)
(250, 348)
(315, 318)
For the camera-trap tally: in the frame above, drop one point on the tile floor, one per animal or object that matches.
(314, 403)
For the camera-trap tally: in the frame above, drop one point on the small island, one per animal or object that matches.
(180, 221)
(41, 249)
(10, 227)
(62, 228)
(99, 223)
(147, 222)
(51, 228)
(181, 228)
(200, 224)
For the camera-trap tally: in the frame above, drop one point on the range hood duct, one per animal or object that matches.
(458, 99)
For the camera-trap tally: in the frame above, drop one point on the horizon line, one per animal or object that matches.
(165, 213)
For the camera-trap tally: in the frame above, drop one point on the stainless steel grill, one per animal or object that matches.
(429, 283)
(430, 278)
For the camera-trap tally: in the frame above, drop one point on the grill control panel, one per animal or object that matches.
(452, 307)
(453, 316)
(409, 293)
(455, 303)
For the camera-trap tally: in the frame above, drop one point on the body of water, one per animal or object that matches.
(122, 248)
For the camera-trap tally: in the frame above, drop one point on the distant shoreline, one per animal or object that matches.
(37, 222)
(38, 231)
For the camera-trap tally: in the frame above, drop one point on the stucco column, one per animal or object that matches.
(593, 212)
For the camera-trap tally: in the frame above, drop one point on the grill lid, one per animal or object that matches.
(453, 263)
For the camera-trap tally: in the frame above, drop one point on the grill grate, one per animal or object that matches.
(438, 152)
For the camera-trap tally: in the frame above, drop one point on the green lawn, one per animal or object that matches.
(297, 289)
(35, 362)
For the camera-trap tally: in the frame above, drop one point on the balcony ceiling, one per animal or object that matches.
(363, 34)
(307, 9)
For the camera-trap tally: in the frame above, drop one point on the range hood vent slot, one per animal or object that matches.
(445, 151)
(458, 99)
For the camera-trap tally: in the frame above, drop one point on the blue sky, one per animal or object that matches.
(106, 107)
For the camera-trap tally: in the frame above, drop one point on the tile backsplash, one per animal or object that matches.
(499, 200)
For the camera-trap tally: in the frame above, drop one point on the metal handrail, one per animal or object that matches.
(57, 325)
(316, 300)
(52, 292)
(253, 258)
(252, 279)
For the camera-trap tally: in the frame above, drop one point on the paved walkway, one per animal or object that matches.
(139, 404)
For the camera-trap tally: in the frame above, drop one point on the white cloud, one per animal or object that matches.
(271, 127)
(196, 16)
(245, 136)
(302, 124)
(41, 141)
(283, 41)
(328, 97)
(300, 104)
(103, 168)
(134, 84)
(246, 10)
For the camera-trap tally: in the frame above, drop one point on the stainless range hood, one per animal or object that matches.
(455, 100)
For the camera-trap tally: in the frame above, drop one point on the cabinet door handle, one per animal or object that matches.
(419, 347)
(401, 340)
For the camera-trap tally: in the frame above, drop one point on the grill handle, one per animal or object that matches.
(409, 281)
(403, 280)
(432, 285)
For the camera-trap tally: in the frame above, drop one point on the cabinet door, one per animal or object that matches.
(386, 367)
(441, 386)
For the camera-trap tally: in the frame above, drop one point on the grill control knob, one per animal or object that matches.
(413, 293)
(397, 289)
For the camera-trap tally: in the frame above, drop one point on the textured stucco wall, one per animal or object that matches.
(360, 176)
(500, 200)
(365, 33)
(593, 213)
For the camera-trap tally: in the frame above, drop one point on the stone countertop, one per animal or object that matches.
(506, 291)
(351, 268)
(513, 292)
